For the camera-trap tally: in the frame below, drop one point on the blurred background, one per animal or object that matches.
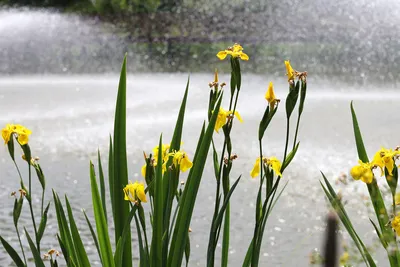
(355, 41)
(59, 66)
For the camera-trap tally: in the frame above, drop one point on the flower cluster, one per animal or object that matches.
(135, 192)
(21, 132)
(180, 159)
(384, 158)
(236, 51)
(271, 162)
(223, 116)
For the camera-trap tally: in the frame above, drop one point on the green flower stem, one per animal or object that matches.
(41, 210)
(31, 208)
(297, 130)
(19, 173)
(287, 138)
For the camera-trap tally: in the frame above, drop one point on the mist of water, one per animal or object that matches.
(357, 40)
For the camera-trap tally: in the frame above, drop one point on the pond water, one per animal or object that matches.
(72, 116)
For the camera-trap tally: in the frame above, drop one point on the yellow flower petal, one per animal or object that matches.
(222, 55)
(186, 164)
(238, 116)
(134, 192)
(243, 56)
(256, 169)
(23, 139)
(270, 96)
(396, 224)
(275, 165)
(290, 72)
(362, 171)
(6, 133)
(140, 192)
(143, 170)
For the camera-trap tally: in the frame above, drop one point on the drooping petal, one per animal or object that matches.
(143, 170)
(23, 139)
(396, 224)
(363, 171)
(141, 194)
(356, 172)
(275, 165)
(222, 54)
(186, 164)
(6, 133)
(389, 163)
(368, 176)
(238, 116)
(221, 119)
(256, 169)
(243, 56)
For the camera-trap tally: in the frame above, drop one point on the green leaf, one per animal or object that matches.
(17, 210)
(96, 242)
(10, 146)
(142, 256)
(35, 252)
(65, 233)
(122, 240)
(187, 250)
(64, 251)
(120, 178)
(40, 175)
(158, 219)
(338, 207)
(83, 259)
(383, 241)
(43, 222)
(111, 174)
(392, 179)
(101, 224)
(171, 179)
(303, 93)
(289, 157)
(218, 221)
(27, 152)
(11, 251)
(362, 153)
(291, 99)
(188, 198)
(102, 185)
(249, 253)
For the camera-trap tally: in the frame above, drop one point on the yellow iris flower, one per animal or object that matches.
(270, 96)
(164, 150)
(223, 116)
(271, 162)
(6, 133)
(22, 133)
(396, 224)
(384, 158)
(135, 192)
(363, 171)
(290, 71)
(181, 159)
(235, 51)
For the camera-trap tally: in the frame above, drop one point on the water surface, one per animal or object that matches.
(72, 116)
